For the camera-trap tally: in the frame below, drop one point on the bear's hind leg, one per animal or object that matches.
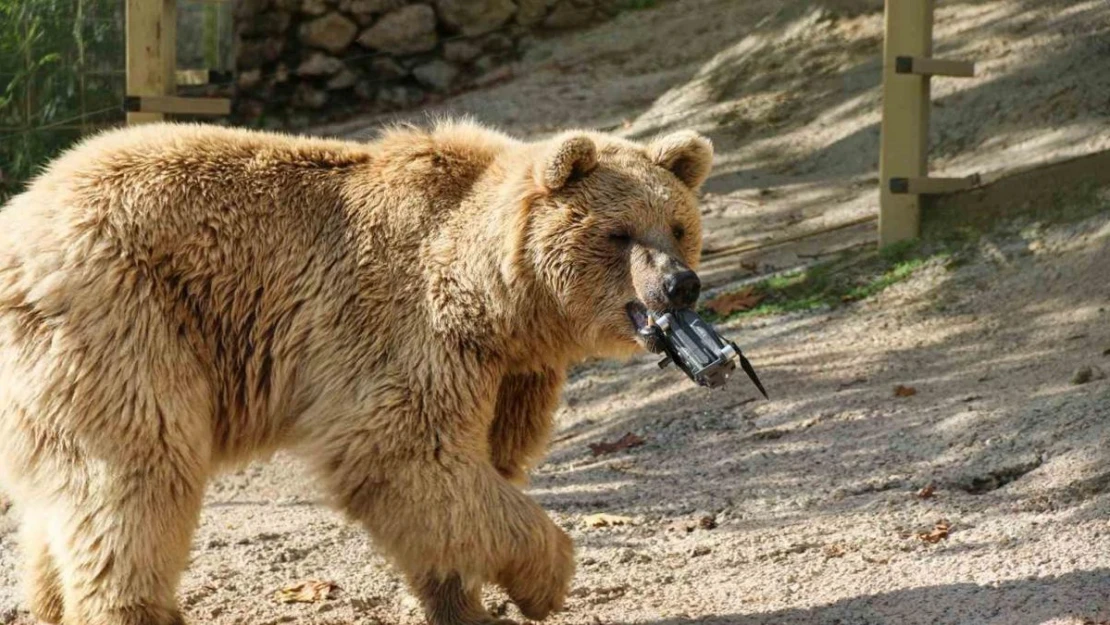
(136, 453)
(126, 539)
(43, 590)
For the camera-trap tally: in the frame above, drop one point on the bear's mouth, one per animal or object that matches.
(641, 321)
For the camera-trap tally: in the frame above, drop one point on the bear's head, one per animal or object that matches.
(611, 229)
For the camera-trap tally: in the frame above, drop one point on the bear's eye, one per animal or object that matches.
(678, 232)
(620, 237)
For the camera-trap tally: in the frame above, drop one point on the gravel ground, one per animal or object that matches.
(981, 498)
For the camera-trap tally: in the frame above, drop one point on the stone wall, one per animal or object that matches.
(299, 60)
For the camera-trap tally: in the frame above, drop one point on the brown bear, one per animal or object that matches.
(400, 314)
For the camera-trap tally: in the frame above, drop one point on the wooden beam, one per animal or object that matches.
(932, 186)
(1064, 189)
(172, 104)
(905, 124)
(934, 67)
(151, 27)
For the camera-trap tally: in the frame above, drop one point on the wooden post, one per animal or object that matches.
(905, 125)
(151, 52)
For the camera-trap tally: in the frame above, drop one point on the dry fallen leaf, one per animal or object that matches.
(606, 520)
(728, 303)
(310, 591)
(904, 391)
(627, 441)
(927, 492)
(939, 532)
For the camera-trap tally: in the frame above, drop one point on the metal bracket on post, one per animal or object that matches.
(933, 67)
(932, 186)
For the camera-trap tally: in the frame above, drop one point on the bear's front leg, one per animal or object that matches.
(525, 413)
(451, 523)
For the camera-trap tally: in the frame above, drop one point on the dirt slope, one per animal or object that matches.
(802, 509)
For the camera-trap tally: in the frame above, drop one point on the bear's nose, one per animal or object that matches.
(682, 288)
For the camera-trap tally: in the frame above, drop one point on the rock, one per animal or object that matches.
(343, 80)
(271, 23)
(314, 7)
(366, 90)
(611, 7)
(437, 75)
(333, 33)
(1082, 375)
(249, 79)
(706, 520)
(294, 121)
(497, 42)
(567, 14)
(400, 97)
(486, 64)
(250, 109)
(308, 97)
(404, 31)
(374, 7)
(281, 74)
(475, 17)
(363, 19)
(1086, 374)
(530, 12)
(496, 75)
(387, 68)
(461, 51)
(247, 9)
(256, 53)
(360, 605)
(319, 64)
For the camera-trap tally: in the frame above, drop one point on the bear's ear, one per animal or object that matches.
(686, 154)
(567, 157)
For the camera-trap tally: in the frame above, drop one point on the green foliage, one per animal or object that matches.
(851, 278)
(61, 75)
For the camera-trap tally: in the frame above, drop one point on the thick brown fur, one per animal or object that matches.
(175, 299)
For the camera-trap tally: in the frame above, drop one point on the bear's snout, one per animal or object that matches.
(662, 280)
(682, 288)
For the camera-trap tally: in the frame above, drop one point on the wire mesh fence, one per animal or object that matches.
(63, 72)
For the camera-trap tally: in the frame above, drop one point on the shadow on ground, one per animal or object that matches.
(1037, 601)
(988, 350)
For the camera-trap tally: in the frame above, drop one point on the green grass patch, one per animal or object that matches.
(849, 278)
